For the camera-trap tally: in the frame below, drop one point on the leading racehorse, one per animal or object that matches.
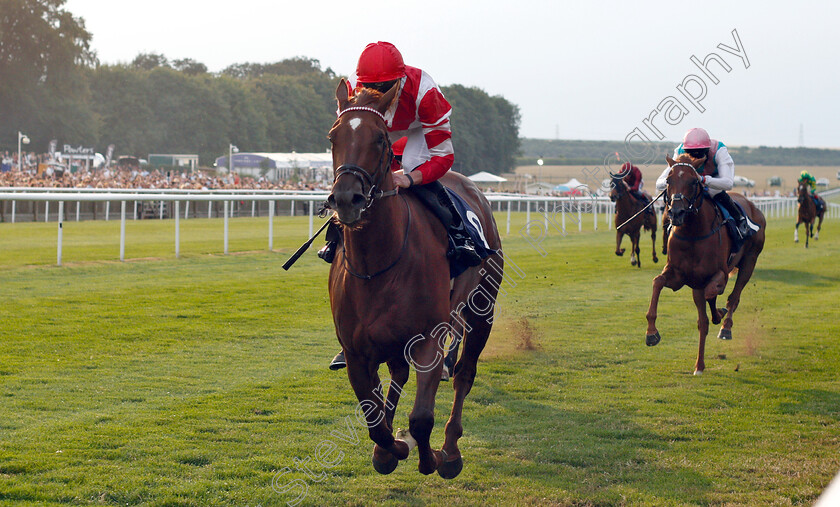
(699, 252)
(807, 214)
(390, 288)
(626, 205)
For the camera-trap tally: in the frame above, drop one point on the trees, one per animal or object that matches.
(44, 51)
(485, 130)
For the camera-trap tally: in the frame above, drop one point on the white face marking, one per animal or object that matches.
(355, 122)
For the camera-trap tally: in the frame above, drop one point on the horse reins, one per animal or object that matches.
(694, 209)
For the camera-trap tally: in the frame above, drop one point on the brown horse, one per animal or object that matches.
(626, 205)
(807, 214)
(699, 253)
(390, 289)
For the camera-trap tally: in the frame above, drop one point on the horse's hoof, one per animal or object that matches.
(725, 334)
(655, 260)
(451, 469)
(619, 252)
(652, 339)
(385, 467)
(697, 373)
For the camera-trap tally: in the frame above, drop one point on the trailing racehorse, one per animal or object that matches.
(626, 205)
(699, 252)
(390, 287)
(807, 214)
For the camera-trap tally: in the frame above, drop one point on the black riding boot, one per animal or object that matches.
(333, 237)
(818, 203)
(644, 199)
(740, 220)
(461, 247)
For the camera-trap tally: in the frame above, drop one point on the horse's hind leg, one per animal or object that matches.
(429, 363)
(634, 250)
(475, 339)
(745, 271)
(819, 226)
(399, 376)
(703, 327)
(653, 238)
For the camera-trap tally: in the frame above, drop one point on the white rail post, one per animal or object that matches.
(595, 212)
(226, 227)
(209, 209)
(311, 216)
(161, 210)
(47, 212)
(13, 211)
(253, 208)
(508, 218)
(270, 225)
(580, 217)
(60, 229)
(122, 230)
(177, 229)
(527, 213)
(546, 215)
(78, 204)
(187, 210)
(292, 210)
(135, 210)
(563, 216)
(107, 210)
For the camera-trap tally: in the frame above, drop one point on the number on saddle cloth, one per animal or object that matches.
(472, 223)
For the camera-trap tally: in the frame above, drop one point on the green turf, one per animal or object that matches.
(194, 381)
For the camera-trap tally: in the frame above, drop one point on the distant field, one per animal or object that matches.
(758, 173)
(194, 382)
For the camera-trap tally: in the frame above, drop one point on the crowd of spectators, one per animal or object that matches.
(40, 171)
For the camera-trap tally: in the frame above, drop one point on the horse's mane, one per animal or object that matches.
(684, 158)
(365, 96)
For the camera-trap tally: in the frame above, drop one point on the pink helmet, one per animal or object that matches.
(696, 139)
(379, 62)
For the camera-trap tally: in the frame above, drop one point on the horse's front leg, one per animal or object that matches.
(703, 327)
(428, 359)
(618, 237)
(365, 382)
(666, 278)
(796, 232)
(399, 376)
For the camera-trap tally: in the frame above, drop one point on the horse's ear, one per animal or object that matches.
(342, 94)
(388, 98)
(699, 163)
(669, 160)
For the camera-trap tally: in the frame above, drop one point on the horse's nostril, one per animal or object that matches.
(358, 200)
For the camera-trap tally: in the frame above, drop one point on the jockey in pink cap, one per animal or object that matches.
(717, 174)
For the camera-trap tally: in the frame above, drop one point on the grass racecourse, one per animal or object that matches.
(203, 380)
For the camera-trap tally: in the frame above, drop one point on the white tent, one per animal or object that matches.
(485, 177)
(574, 183)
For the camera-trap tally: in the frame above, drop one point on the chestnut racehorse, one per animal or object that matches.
(699, 253)
(807, 214)
(626, 205)
(390, 288)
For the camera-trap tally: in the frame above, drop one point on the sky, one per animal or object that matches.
(576, 70)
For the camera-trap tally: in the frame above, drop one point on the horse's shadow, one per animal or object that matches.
(586, 454)
(793, 277)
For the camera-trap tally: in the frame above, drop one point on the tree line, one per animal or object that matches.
(595, 153)
(55, 88)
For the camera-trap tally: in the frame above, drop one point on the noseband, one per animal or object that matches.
(386, 157)
(692, 207)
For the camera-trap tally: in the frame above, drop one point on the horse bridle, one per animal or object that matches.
(679, 197)
(363, 176)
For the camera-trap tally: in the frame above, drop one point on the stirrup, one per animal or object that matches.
(338, 362)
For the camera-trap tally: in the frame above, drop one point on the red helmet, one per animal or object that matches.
(696, 139)
(380, 61)
(625, 167)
